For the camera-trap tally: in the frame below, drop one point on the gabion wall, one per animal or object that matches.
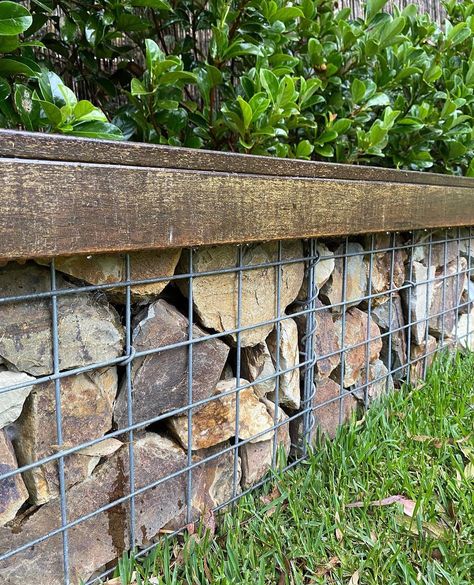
(139, 391)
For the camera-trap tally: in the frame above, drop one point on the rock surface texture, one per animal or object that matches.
(216, 297)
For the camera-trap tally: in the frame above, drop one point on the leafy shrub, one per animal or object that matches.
(291, 79)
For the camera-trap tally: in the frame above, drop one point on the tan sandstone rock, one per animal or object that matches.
(215, 297)
(257, 363)
(289, 385)
(110, 268)
(357, 327)
(355, 270)
(215, 421)
(13, 493)
(160, 380)
(382, 268)
(465, 330)
(11, 402)
(389, 317)
(89, 330)
(104, 537)
(257, 458)
(379, 382)
(86, 404)
(418, 359)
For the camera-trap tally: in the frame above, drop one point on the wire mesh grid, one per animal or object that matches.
(234, 367)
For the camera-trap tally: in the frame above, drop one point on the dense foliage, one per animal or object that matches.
(290, 79)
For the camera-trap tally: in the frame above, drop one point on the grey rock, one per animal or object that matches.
(160, 380)
(418, 299)
(355, 270)
(447, 292)
(86, 406)
(257, 363)
(396, 343)
(11, 402)
(13, 493)
(89, 330)
(105, 536)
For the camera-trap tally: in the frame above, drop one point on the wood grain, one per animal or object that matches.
(52, 208)
(56, 147)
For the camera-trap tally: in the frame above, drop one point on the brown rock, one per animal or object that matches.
(216, 297)
(357, 326)
(257, 458)
(289, 386)
(379, 382)
(160, 380)
(86, 404)
(382, 268)
(331, 408)
(215, 421)
(447, 292)
(356, 278)
(256, 364)
(89, 330)
(13, 492)
(326, 342)
(397, 340)
(417, 358)
(110, 268)
(105, 536)
(418, 299)
(443, 252)
(212, 483)
(11, 402)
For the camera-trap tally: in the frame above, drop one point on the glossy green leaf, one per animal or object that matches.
(14, 18)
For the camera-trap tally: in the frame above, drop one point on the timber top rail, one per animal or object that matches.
(63, 196)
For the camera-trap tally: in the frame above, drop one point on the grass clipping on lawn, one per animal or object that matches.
(389, 501)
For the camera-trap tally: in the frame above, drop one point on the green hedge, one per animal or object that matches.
(290, 79)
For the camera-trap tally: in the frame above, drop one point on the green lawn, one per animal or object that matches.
(417, 444)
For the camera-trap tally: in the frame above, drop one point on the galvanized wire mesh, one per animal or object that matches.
(447, 273)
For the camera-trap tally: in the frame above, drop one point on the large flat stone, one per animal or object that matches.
(13, 493)
(215, 297)
(86, 405)
(289, 384)
(362, 335)
(160, 380)
(11, 402)
(109, 268)
(349, 277)
(89, 330)
(104, 537)
(215, 422)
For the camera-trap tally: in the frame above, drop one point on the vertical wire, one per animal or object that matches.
(59, 423)
(469, 304)
(443, 284)
(189, 450)
(429, 286)
(390, 312)
(458, 293)
(343, 328)
(128, 373)
(310, 357)
(409, 303)
(277, 357)
(369, 316)
(238, 369)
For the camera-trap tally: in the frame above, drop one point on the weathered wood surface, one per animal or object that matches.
(56, 147)
(50, 207)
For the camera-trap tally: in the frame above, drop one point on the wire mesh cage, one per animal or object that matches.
(140, 391)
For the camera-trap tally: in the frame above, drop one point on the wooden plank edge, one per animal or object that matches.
(57, 147)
